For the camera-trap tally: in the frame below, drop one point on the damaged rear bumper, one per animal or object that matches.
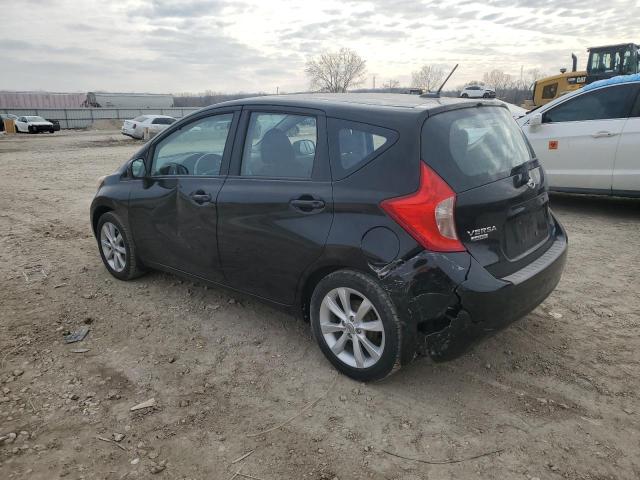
(450, 301)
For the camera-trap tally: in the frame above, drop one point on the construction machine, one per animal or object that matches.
(604, 62)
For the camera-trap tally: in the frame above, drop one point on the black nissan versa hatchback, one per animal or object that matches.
(395, 224)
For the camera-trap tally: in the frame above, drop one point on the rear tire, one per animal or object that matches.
(486, 95)
(117, 250)
(363, 339)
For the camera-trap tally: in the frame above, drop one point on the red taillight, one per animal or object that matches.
(427, 214)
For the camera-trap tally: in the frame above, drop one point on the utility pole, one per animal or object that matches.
(374, 82)
(277, 90)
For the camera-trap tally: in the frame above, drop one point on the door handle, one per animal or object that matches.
(200, 197)
(307, 204)
(603, 134)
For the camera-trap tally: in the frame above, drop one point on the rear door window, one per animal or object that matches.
(355, 144)
(470, 147)
(280, 145)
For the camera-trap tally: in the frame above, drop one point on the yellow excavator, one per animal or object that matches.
(604, 62)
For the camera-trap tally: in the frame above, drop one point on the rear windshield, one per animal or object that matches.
(470, 147)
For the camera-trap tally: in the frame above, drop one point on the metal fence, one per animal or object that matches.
(84, 117)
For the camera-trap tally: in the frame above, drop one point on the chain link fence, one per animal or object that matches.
(85, 117)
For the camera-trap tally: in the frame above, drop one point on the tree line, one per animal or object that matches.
(208, 97)
(345, 70)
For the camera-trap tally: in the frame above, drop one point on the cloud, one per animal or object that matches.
(228, 45)
(180, 8)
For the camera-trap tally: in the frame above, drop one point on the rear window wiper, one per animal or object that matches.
(522, 172)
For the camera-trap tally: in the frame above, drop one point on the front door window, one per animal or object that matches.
(195, 149)
(601, 104)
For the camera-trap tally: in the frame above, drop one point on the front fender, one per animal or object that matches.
(111, 197)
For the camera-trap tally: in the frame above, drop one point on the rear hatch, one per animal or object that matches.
(502, 206)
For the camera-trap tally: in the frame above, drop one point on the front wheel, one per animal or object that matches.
(464, 95)
(356, 325)
(117, 249)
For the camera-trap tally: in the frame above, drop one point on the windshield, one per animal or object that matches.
(35, 119)
(613, 60)
(470, 147)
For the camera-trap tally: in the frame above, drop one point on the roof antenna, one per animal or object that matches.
(437, 93)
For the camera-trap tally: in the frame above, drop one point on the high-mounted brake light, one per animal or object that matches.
(427, 214)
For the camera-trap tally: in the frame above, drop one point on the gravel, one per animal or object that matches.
(241, 367)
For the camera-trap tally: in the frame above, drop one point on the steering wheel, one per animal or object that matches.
(173, 168)
(208, 169)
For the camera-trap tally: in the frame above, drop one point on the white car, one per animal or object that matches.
(155, 123)
(589, 140)
(476, 91)
(33, 124)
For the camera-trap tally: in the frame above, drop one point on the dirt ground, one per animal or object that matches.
(554, 396)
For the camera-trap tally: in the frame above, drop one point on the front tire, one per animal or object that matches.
(117, 249)
(464, 95)
(356, 325)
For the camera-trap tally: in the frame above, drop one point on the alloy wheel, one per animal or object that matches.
(352, 327)
(113, 248)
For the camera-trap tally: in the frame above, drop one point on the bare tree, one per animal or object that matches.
(391, 84)
(471, 82)
(499, 80)
(532, 75)
(428, 77)
(336, 72)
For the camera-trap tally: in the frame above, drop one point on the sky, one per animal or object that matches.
(173, 46)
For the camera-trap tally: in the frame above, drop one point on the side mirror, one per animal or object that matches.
(304, 147)
(138, 168)
(535, 120)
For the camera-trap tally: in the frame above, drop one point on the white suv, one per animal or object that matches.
(589, 140)
(476, 91)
